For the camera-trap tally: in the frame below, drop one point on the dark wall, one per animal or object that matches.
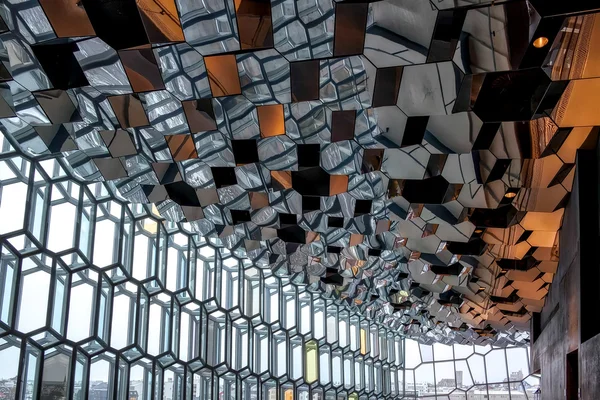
(569, 320)
(559, 318)
(589, 359)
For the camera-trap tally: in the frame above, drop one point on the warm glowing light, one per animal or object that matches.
(478, 231)
(311, 372)
(510, 195)
(363, 341)
(540, 42)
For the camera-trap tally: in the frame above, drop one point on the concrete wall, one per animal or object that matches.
(559, 318)
(589, 371)
(568, 321)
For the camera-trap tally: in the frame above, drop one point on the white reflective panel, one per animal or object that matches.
(280, 353)
(426, 352)
(104, 243)
(518, 365)
(462, 351)
(348, 372)
(297, 358)
(252, 283)
(12, 207)
(62, 227)
(413, 355)
(319, 319)
(10, 352)
(306, 313)
(120, 336)
(184, 338)
(33, 303)
(332, 325)
(261, 349)
(80, 311)
(324, 362)
(154, 329)
(495, 363)
(477, 368)
(336, 366)
(442, 352)
(358, 373)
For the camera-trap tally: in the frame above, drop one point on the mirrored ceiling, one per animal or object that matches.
(180, 180)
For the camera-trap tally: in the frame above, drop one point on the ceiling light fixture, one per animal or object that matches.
(540, 42)
(510, 195)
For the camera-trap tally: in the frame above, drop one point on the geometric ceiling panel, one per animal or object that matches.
(407, 161)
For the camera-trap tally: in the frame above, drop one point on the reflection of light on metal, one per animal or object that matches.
(311, 372)
(149, 224)
(363, 341)
(510, 195)
(540, 42)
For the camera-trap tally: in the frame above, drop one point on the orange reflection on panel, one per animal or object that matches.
(254, 23)
(574, 53)
(578, 105)
(542, 239)
(350, 26)
(539, 221)
(283, 178)
(592, 62)
(313, 237)
(223, 75)
(568, 149)
(270, 120)
(289, 394)
(356, 239)
(338, 184)
(68, 18)
(161, 20)
(142, 69)
(182, 147)
(128, 110)
(258, 200)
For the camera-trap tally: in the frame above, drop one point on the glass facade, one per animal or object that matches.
(104, 299)
(465, 372)
(284, 199)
